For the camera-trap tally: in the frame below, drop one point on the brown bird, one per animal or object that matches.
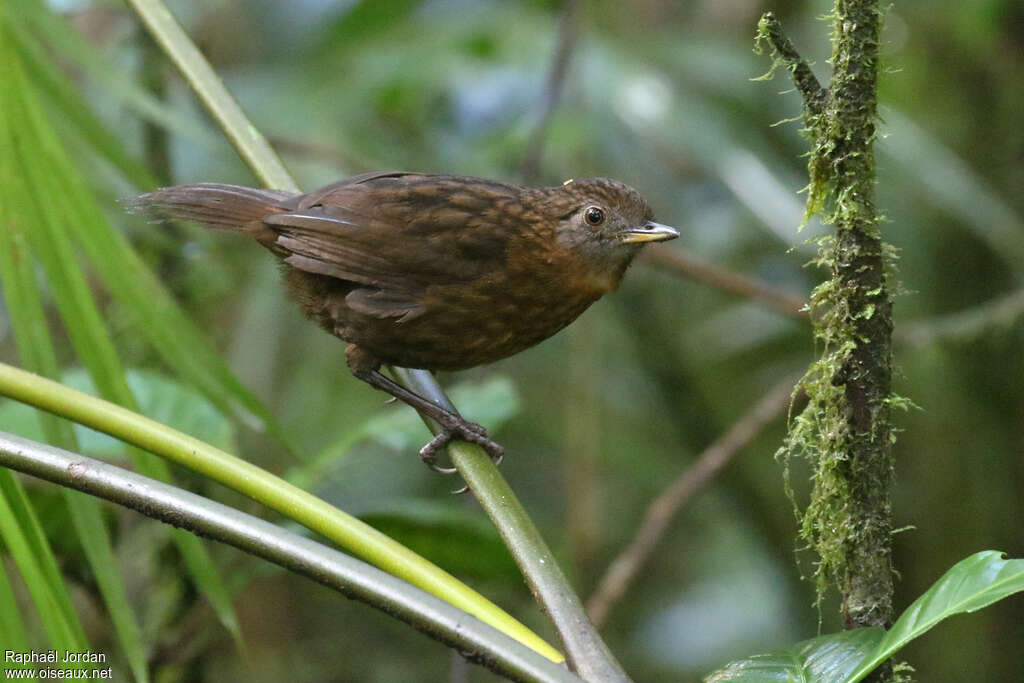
(438, 272)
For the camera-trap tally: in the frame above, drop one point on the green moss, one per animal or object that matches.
(845, 431)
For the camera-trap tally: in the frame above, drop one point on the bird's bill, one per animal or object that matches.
(648, 232)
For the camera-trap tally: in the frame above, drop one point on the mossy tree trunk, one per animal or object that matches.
(845, 430)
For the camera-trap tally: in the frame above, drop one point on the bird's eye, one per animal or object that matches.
(594, 215)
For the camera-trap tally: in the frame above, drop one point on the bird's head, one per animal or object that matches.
(604, 222)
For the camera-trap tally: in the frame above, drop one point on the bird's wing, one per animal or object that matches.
(335, 243)
(397, 243)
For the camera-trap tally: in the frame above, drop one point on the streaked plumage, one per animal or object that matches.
(433, 271)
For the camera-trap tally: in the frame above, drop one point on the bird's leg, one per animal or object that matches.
(453, 425)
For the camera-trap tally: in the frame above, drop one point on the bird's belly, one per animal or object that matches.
(464, 332)
(461, 326)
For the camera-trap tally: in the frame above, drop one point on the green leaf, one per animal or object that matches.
(20, 528)
(92, 533)
(12, 634)
(35, 18)
(165, 400)
(971, 584)
(154, 313)
(37, 352)
(847, 657)
(953, 184)
(825, 659)
(367, 18)
(63, 631)
(58, 90)
(47, 169)
(491, 402)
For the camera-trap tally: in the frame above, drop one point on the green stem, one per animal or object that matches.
(260, 485)
(287, 549)
(249, 142)
(587, 652)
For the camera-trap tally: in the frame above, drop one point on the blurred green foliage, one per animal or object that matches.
(659, 95)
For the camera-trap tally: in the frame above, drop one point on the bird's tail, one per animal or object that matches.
(225, 207)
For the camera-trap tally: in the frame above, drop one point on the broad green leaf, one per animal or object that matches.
(180, 406)
(825, 659)
(847, 657)
(971, 584)
(367, 17)
(491, 402)
(165, 400)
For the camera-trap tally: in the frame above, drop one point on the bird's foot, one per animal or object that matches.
(455, 428)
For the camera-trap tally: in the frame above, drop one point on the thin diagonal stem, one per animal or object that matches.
(249, 142)
(680, 262)
(622, 572)
(587, 652)
(568, 32)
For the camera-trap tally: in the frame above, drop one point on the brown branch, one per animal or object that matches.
(624, 569)
(568, 31)
(682, 263)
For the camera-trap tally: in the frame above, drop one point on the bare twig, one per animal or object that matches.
(1001, 311)
(624, 569)
(568, 31)
(681, 262)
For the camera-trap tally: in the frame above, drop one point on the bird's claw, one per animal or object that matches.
(430, 451)
(457, 429)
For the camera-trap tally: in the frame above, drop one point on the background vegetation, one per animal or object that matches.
(599, 419)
